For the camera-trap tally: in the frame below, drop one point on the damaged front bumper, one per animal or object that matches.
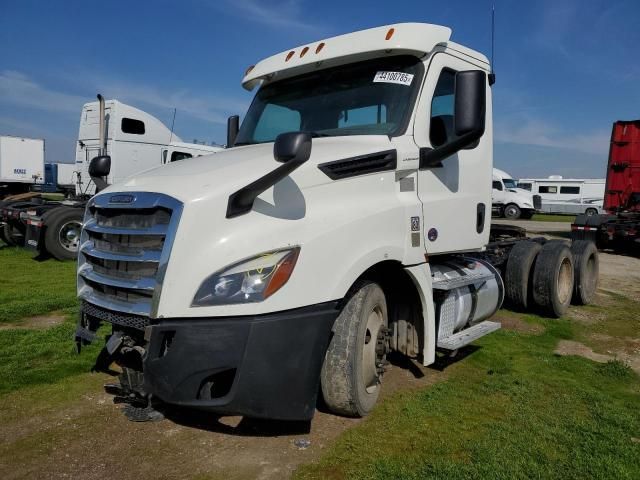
(263, 366)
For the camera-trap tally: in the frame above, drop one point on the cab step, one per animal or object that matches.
(468, 335)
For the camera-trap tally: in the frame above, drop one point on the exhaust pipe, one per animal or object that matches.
(102, 136)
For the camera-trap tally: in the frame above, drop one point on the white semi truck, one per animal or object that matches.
(349, 217)
(134, 140)
(509, 200)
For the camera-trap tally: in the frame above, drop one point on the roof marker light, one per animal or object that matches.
(289, 55)
(319, 47)
(390, 34)
(304, 52)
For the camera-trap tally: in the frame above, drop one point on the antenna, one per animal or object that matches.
(492, 75)
(173, 121)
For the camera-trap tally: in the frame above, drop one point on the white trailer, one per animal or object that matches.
(350, 216)
(21, 163)
(567, 195)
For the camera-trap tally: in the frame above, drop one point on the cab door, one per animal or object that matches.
(456, 194)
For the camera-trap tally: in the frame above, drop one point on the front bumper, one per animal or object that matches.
(264, 366)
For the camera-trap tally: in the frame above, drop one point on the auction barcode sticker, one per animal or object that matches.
(400, 78)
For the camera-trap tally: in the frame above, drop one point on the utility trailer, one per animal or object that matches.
(619, 227)
(21, 164)
(135, 141)
(350, 216)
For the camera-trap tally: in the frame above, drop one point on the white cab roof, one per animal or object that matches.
(403, 38)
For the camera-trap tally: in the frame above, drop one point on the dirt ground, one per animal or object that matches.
(77, 432)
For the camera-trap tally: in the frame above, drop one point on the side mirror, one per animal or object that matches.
(292, 147)
(470, 102)
(99, 168)
(233, 126)
(292, 150)
(469, 117)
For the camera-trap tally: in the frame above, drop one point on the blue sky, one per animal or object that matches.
(566, 69)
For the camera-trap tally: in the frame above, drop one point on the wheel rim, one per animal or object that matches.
(370, 356)
(511, 212)
(69, 235)
(565, 275)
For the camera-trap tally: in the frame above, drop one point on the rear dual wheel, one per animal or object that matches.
(62, 237)
(553, 279)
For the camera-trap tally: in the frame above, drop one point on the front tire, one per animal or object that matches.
(512, 212)
(352, 369)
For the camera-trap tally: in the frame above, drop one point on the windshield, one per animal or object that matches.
(374, 97)
(510, 183)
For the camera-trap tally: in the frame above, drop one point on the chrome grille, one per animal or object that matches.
(124, 250)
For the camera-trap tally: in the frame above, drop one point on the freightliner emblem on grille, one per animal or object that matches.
(121, 198)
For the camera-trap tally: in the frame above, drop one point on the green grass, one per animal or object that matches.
(45, 356)
(512, 409)
(30, 356)
(32, 288)
(544, 217)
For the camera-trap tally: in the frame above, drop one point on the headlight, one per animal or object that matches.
(248, 281)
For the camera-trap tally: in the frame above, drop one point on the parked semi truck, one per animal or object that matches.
(21, 164)
(135, 141)
(619, 227)
(350, 217)
(509, 200)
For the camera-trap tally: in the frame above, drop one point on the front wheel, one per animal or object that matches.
(512, 212)
(353, 365)
(590, 212)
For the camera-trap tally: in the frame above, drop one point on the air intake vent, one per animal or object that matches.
(361, 165)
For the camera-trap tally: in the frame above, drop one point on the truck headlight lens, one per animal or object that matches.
(248, 281)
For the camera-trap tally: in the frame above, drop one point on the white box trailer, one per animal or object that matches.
(21, 163)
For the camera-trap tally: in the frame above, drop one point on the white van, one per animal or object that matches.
(509, 200)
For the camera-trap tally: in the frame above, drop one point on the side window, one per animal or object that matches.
(573, 190)
(497, 185)
(276, 119)
(175, 156)
(371, 115)
(524, 186)
(442, 109)
(132, 126)
(548, 189)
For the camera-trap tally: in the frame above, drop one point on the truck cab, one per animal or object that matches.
(348, 217)
(134, 139)
(509, 200)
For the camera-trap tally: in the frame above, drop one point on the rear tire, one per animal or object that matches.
(553, 279)
(586, 271)
(62, 237)
(350, 376)
(4, 237)
(512, 212)
(518, 273)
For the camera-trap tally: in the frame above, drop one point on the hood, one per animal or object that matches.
(223, 173)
